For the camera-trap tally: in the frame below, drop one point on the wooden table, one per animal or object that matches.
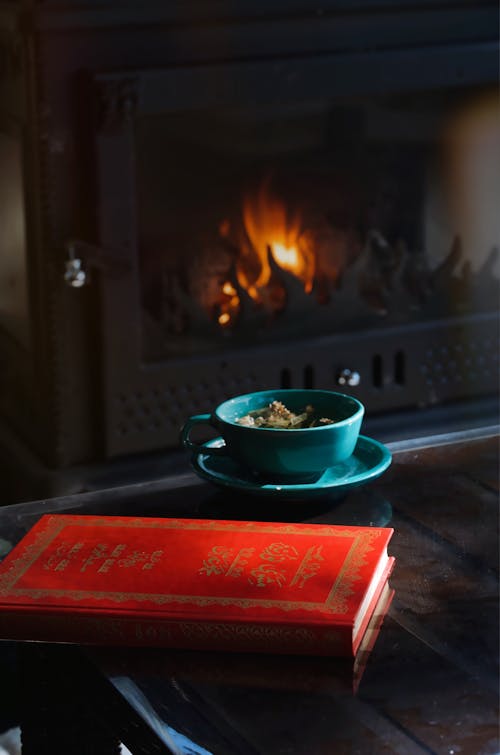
(429, 685)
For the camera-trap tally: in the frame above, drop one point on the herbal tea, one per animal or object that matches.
(276, 416)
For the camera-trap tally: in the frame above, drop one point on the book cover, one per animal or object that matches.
(193, 583)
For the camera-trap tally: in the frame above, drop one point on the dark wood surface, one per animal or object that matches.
(429, 685)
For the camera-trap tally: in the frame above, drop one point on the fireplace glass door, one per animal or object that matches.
(261, 224)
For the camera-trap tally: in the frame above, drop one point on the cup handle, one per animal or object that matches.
(199, 448)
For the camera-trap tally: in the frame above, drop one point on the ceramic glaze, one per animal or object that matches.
(367, 462)
(288, 455)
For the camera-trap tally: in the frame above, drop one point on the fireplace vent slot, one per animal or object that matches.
(377, 372)
(286, 378)
(309, 376)
(399, 368)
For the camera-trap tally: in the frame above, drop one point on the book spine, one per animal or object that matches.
(193, 635)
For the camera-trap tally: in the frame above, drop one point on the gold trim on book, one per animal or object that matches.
(335, 603)
(317, 530)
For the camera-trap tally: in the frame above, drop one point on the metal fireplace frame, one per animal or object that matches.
(144, 404)
(81, 392)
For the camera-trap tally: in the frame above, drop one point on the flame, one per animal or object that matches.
(270, 227)
(270, 230)
(286, 258)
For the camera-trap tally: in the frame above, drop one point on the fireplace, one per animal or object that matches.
(206, 200)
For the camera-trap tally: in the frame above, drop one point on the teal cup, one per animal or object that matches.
(288, 455)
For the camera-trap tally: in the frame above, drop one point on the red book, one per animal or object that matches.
(190, 583)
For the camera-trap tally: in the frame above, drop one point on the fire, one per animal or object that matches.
(270, 227)
(270, 230)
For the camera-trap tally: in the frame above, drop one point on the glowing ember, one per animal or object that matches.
(229, 304)
(228, 289)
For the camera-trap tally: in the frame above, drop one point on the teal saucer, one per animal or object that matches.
(368, 461)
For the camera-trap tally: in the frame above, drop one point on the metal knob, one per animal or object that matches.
(83, 258)
(74, 274)
(348, 377)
